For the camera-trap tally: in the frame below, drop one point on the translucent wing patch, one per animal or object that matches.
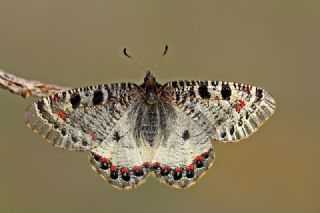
(186, 155)
(119, 159)
(80, 119)
(234, 110)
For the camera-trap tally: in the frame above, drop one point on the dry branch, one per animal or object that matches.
(27, 88)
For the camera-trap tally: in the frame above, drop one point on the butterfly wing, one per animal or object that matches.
(80, 119)
(120, 158)
(234, 110)
(185, 154)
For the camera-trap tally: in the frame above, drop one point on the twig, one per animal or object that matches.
(27, 88)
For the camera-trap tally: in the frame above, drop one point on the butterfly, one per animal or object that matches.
(132, 130)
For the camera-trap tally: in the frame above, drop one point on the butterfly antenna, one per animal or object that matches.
(166, 47)
(133, 59)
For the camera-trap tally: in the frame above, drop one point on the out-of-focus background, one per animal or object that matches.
(270, 43)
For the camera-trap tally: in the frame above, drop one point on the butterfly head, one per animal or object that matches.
(150, 89)
(149, 77)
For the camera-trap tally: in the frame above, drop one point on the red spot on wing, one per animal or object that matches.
(240, 105)
(205, 154)
(97, 157)
(247, 89)
(113, 168)
(155, 165)
(61, 115)
(54, 98)
(190, 167)
(124, 170)
(178, 169)
(238, 108)
(105, 160)
(198, 158)
(94, 137)
(136, 168)
(146, 164)
(165, 168)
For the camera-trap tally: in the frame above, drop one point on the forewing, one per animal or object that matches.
(80, 119)
(185, 155)
(234, 110)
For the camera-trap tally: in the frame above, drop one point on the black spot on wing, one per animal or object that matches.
(63, 131)
(43, 111)
(40, 105)
(203, 90)
(259, 94)
(123, 86)
(186, 135)
(116, 136)
(174, 84)
(223, 134)
(214, 83)
(191, 92)
(64, 94)
(247, 115)
(226, 91)
(75, 100)
(231, 130)
(129, 86)
(111, 95)
(181, 83)
(97, 97)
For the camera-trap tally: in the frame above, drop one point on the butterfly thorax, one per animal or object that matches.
(150, 90)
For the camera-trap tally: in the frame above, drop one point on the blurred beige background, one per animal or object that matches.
(271, 43)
